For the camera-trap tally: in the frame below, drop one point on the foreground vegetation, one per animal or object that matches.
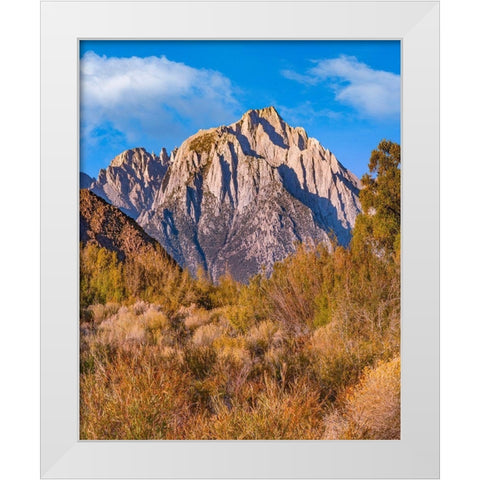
(310, 353)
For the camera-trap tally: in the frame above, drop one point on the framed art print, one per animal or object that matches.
(239, 276)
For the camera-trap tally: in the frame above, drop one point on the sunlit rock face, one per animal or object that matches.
(131, 180)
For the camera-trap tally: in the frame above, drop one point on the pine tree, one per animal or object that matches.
(378, 228)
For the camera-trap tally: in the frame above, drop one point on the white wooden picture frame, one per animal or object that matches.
(416, 24)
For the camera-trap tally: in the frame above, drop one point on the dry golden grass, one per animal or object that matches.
(371, 408)
(197, 318)
(145, 376)
(205, 335)
(269, 412)
(133, 396)
(310, 353)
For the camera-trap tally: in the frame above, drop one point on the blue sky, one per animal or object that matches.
(155, 94)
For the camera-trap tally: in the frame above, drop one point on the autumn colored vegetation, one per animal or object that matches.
(311, 352)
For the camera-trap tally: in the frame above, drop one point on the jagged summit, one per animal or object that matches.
(139, 158)
(268, 113)
(132, 179)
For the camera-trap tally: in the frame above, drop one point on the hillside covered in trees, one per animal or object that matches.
(311, 351)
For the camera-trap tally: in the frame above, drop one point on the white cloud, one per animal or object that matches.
(373, 93)
(151, 96)
(305, 113)
(299, 77)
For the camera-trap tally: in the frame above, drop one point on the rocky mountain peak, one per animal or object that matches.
(133, 157)
(164, 157)
(269, 114)
(239, 197)
(268, 134)
(132, 179)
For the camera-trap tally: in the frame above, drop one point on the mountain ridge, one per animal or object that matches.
(131, 180)
(238, 197)
(106, 226)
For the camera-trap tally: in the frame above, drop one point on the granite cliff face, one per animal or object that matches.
(238, 198)
(131, 180)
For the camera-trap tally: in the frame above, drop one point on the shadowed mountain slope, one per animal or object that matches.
(106, 226)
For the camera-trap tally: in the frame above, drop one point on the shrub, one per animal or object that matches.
(196, 318)
(260, 336)
(203, 142)
(116, 404)
(101, 312)
(100, 276)
(295, 284)
(336, 360)
(274, 414)
(200, 360)
(138, 324)
(231, 353)
(154, 318)
(206, 334)
(239, 317)
(372, 407)
(226, 292)
(155, 322)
